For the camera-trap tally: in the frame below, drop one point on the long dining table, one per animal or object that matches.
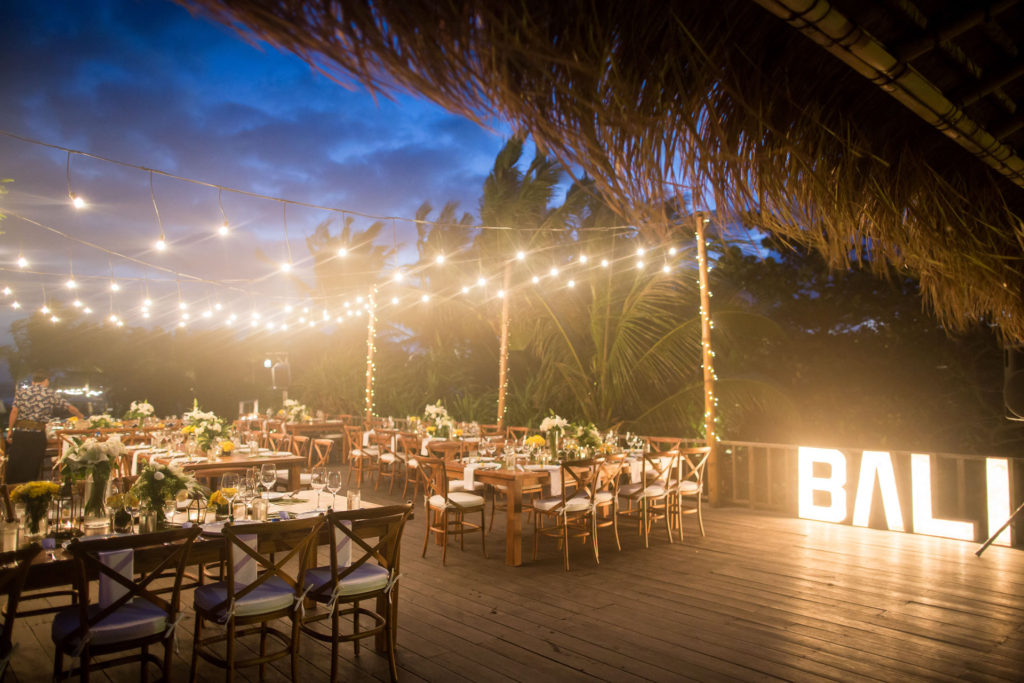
(513, 481)
(209, 468)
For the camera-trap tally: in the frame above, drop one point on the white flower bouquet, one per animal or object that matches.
(139, 410)
(205, 426)
(295, 411)
(90, 457)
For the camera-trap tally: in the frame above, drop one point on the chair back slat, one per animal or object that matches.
(320, 453)
(433, 472)
(283, 540)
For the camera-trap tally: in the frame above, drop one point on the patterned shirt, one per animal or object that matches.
(36, 402)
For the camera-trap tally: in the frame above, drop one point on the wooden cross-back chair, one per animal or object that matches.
(387, 462)
(408, 449)
(652, 498)
(692, 462)
(16, 564)
(517, 433)
(279, 441)
(320, 453)
(362, 460)
(130, 613)
(357, 574)
(588, 488)
(257, 590)
(447, 510)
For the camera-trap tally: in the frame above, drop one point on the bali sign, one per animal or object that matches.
(833, 488)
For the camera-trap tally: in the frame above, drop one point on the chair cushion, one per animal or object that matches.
(688, 487)
(639, 491)
(366, 578)
(460, 485)
(137, 619)
(574, 504)
(457, 499)
(604, 497)
(388, 458)
(270, 596)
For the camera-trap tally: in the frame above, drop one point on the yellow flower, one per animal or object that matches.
(73, 419)
(33, 490)
(188, 429)
(431, 429)
(536, 441)
(458, 432)
(226, 446)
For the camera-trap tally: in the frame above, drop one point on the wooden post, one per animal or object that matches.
(503, 358)
(371, 331)
(707, 356)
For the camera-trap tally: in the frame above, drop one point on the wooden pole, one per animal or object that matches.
(503, 359)
(371, 332)
(707, 356)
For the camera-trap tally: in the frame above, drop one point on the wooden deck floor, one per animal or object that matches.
(761, 597)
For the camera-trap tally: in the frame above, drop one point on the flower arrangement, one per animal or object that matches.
(586, 435)
(139, 410)
(156, 483)
(226, 446)
(436, 416)
(103, 421)
(36, 496)
(206, 427)
(219, 500)
(121, 504)
(89, 457)
(553, 427)
(535, 441)
(294, 411)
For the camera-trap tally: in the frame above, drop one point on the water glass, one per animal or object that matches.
(352, 499)
(268, 475)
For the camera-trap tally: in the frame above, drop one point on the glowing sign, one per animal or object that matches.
(822, 477)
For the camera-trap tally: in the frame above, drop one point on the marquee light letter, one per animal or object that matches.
(924, 523)
(997, 481)
(872, 464)
(833, 484)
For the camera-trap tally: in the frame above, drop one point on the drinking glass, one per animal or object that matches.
(317, 481)
(268, 475)
(229, 487)
(333, 485)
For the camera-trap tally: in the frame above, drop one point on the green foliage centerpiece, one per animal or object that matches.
(103, 421)
(293, 411)
(553, 428)
(437, 419)
(139, 410)
(95, 460)
(157, 483)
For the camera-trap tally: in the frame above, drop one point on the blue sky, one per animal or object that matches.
(149, 84)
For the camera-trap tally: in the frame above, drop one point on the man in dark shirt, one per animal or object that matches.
(26, 427)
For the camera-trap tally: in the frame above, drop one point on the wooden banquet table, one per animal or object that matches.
(513, 481)
(241, 461)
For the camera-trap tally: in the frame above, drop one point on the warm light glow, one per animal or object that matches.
(480, 281)
(284, 326)
(501, 293)
(76, 303)
(207, 313)
(924, 523)
(604, 263)
(223, 229)
(77, 201)
(185, 316)
(288, 308)
(45, 309)
(181, 323)
(54, 319)
(535, 279)
(571, 283)
(399, 276)
(342, 252)
(217, 307)
(15, 304)
(394, 300)
(639, 264)
(832, 484)
(114, 287)
(671, 251)
(583, 258)
(425, 298)
(112, 318)
(997, 482)
(553, 272)
(88, 310)
(255, 315)
(160, 244)
(439, 259)
(232, 317)
(120, 323)
(22, 262)
(7, 291)
(147, 302)
(302, 319)
(521, 255)
(71, 284)
(182, 305)
(145, 314)
(640, 251)
(666, 268)
(465, 289)
(877, 464)
(359, 299)
(286, 267)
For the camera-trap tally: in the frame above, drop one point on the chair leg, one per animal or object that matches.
(643, 519)
(615, 524)
(700, 516)
(58, 663)
(296, 623)
(168, 658)
(355, 627)
(194, 665)
(444, 538)
(565, 543)
(144, 670)
(593, 535)
(335, 635)
(263, 649)
(426, 538)
(483, 534)
(229, 674)
(536, 534)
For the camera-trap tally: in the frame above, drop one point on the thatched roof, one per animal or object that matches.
(907, 148)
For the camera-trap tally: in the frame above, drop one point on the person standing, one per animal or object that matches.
(26, 427)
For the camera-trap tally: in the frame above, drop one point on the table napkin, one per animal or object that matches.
(467, 476)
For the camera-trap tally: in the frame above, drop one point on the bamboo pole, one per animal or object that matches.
(371, 332)
(707, 356)
(503, 359)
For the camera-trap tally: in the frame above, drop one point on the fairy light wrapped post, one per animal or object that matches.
(371, 331)
(707, 356)
(503, 355)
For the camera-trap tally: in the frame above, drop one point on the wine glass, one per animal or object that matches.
(268, 475)
(229, 488)
(333, 485)
(170, 507)
(317, 481)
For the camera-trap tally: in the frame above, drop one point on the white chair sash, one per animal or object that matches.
(243, 564)
(344, 545)
(122, 562)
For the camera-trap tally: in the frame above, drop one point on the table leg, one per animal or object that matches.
(514, 524)
(294, 478)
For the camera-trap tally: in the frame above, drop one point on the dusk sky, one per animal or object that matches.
(149, 84)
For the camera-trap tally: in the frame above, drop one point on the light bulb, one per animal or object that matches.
(217, 307)
(604, 263)
(87, 310)
(284, 326)
(45, 309)
(181, 323)
(439, 259)
(640, 251)
(553, 272)
(399, 276)
(112, 318)
(639, 264)
(270, 326)
(394, 299)
(255, 315)
(71, 284)
(114, 287)
(207, 313)
(571, 283)
(302, 319)
(147, 302)
(583, 258)
(288, 308)
(77, 202)
(15, 305)
(182, 305)
(7, 291)
(535, 279)
(22, 262)
(286, 267)
(160, 244)
(76, 303)
(480, 281)
(425, 298)
(232, 317)
(54, 319)
(145, 314)
(521, 255)
(120, 323)
(501, 293)
(465, 289)
(343, 252)
(359, 299)
(672, 251)
(312, 323)
(666, 268)
(223, 229)
(184, 316)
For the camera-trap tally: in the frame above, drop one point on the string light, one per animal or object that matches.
(604, 263)
(571, 284)
(553, 272)
(583, 258)
(521, 255)
(161, 242)
(342, 252)
(224, 227)
(439, 259)
(22, 262)
(76, 201)
(15, 305)
(481, 281)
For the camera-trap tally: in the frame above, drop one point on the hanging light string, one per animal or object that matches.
(162, 242)
(294, 202)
